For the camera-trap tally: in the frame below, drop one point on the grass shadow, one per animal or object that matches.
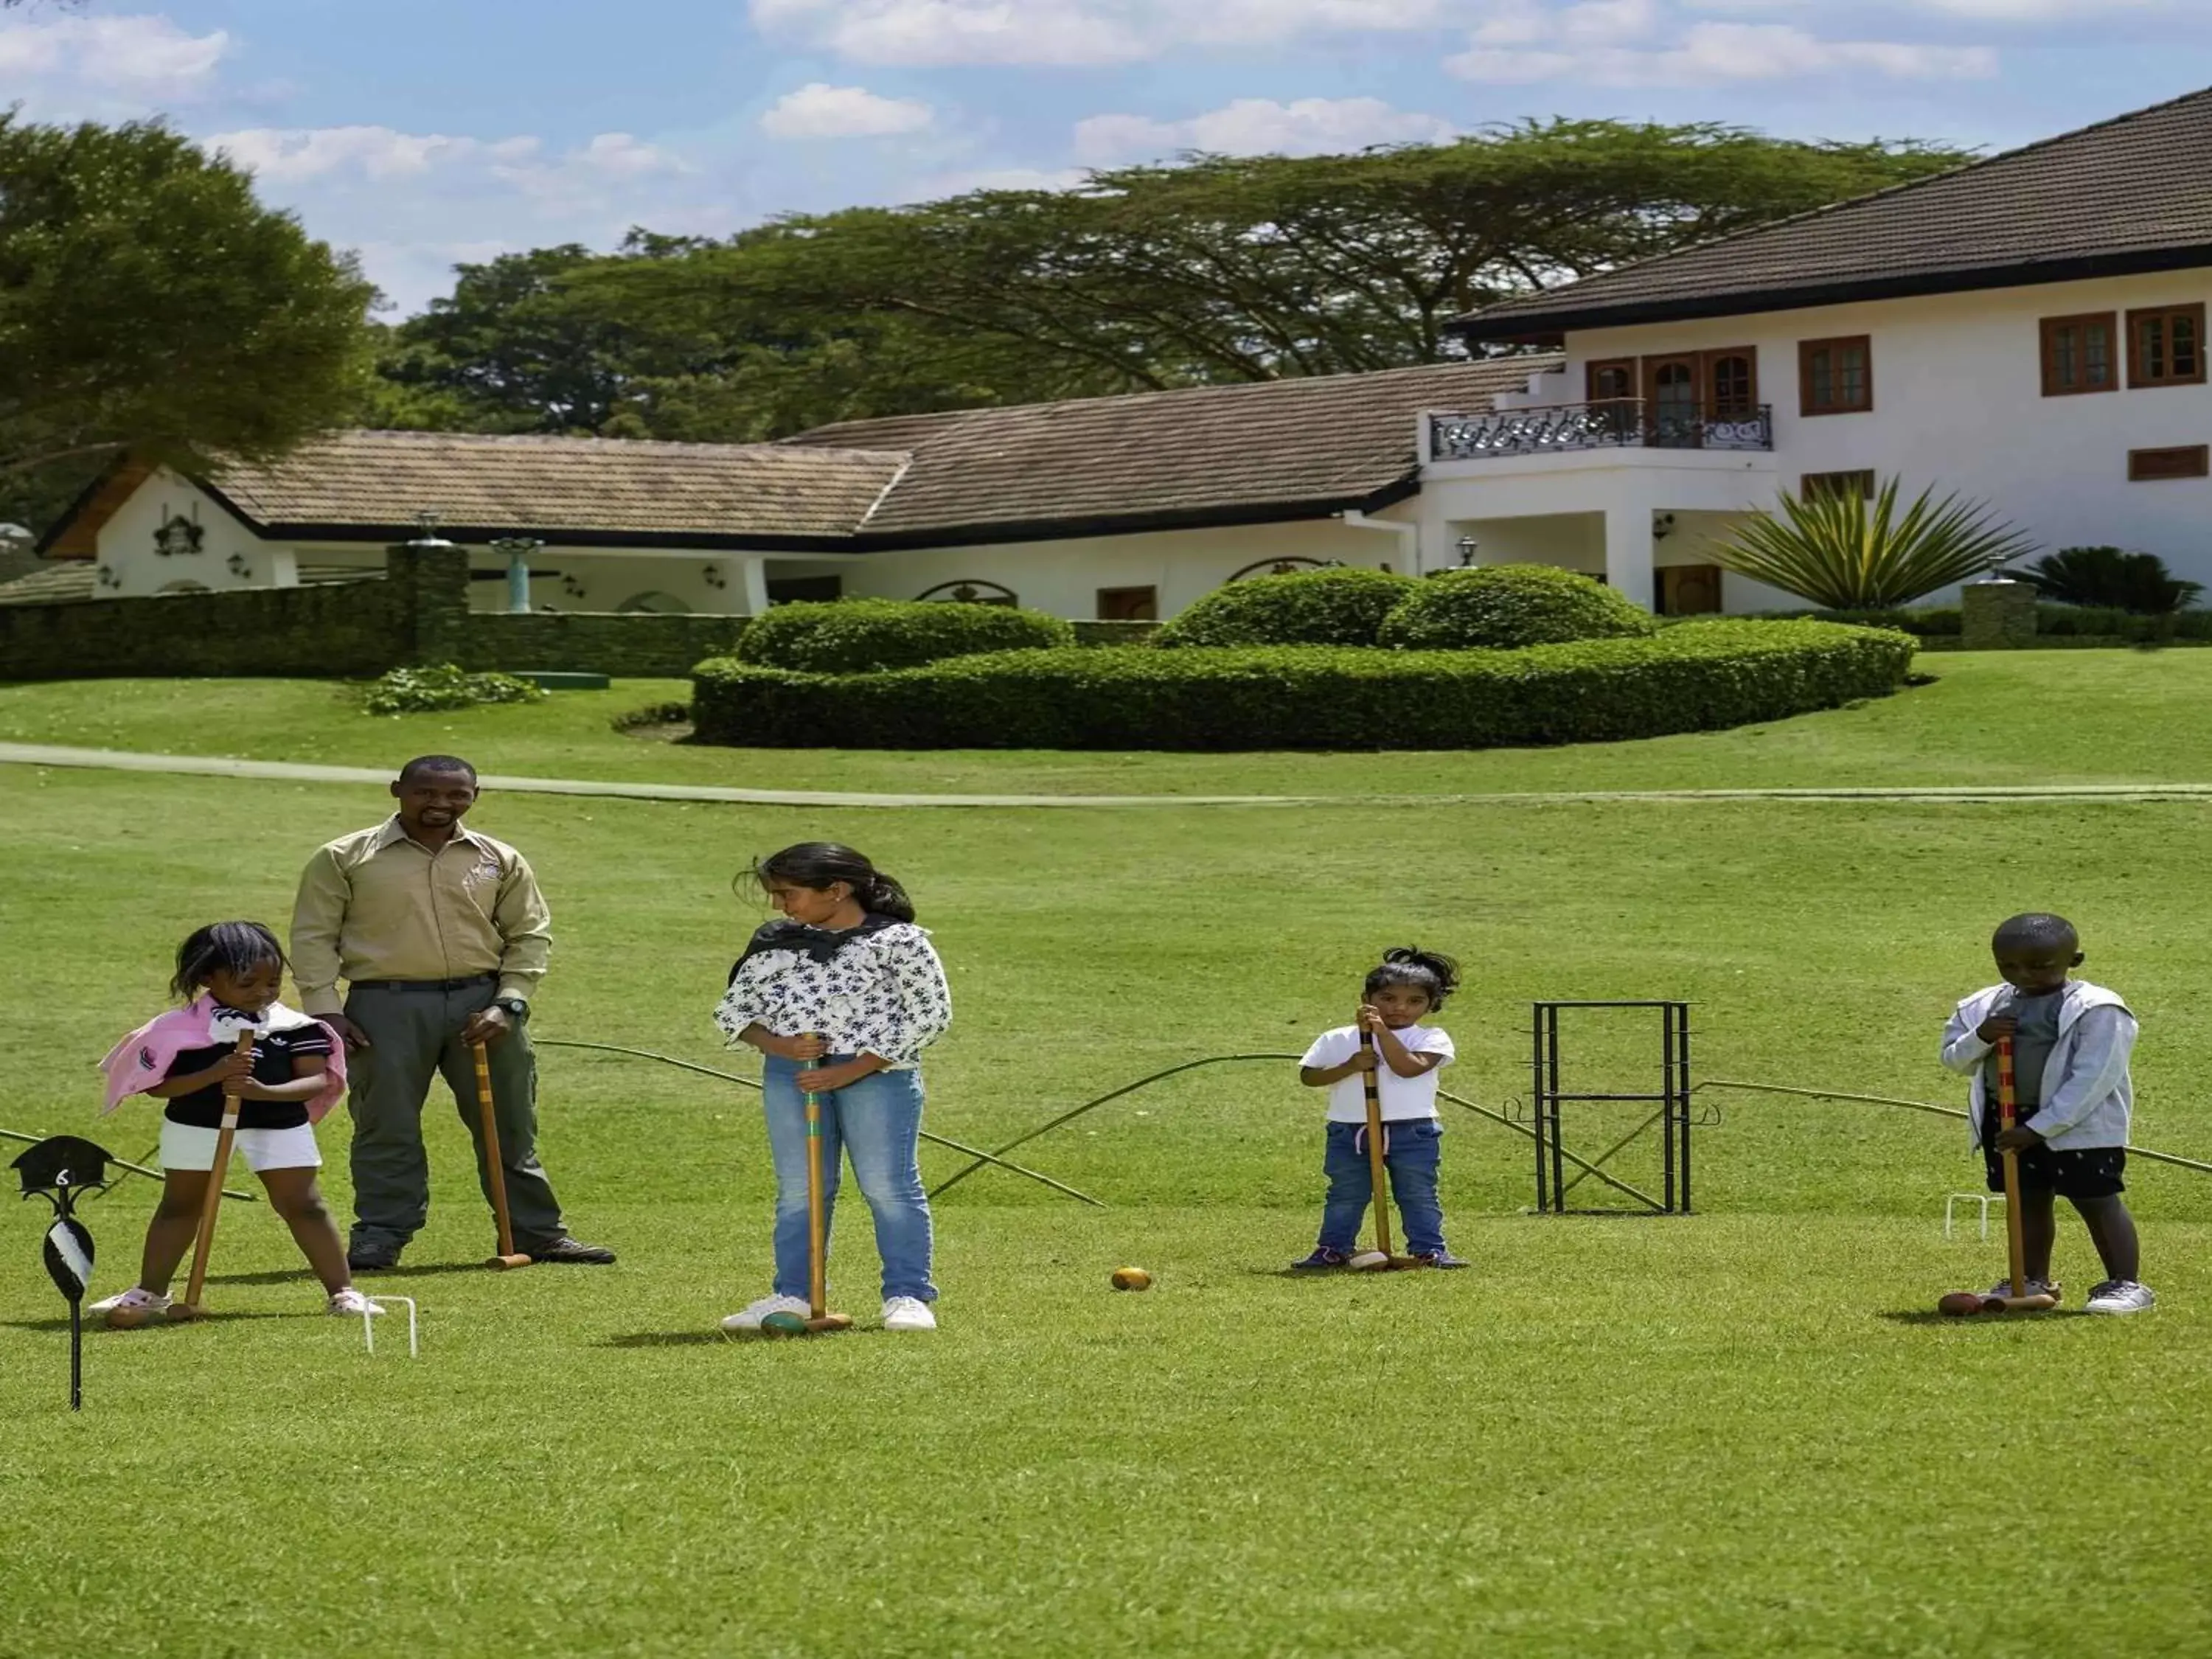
(667, 1339)
(1930, 1316)
(95, 1325)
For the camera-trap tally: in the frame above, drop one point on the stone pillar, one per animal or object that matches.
(1996, 614)
(427, 584)
(1628, 553)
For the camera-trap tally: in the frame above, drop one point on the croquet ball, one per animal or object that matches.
(1959, 1303)
(1368, 1260)
(1132, 1278)
(783, 1324)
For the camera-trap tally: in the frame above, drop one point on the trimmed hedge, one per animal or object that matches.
(1697, 677)
(1344, 605)
(1504, 607)
(2051, 621)
(859, 636)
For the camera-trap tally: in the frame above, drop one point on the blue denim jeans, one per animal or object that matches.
(1414, 1151)
(877, 1123)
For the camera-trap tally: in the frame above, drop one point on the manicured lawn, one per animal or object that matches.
(1992, 717)
(1738, 1432)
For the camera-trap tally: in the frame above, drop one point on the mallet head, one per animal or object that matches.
(502, 1264)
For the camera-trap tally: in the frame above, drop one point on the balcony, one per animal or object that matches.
(1614, 423)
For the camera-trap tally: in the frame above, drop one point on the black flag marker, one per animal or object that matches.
(58, 1169)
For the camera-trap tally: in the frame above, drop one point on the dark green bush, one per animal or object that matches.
(2110, 577)
(1697, 677)
(1340, 607)
(858, 636)
(1503, 607)
(443, 686)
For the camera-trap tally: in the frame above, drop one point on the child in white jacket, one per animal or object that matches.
(2072, 1041)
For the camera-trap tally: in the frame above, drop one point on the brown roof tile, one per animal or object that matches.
(1275, 448)
(2127, 194)
(564, 489)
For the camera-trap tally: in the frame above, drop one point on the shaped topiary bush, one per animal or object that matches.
(858, 636)
(1504, 607)
(1340, 607)
(443, 686)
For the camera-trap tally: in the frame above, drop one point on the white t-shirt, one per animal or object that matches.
(1403, 1097)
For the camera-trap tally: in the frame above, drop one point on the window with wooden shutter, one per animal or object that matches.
(1732, 383)
(2185, 461)
(2078, 356)
(2165, 346)
(1835, 377)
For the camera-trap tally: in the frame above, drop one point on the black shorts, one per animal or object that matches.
(2085, 1172)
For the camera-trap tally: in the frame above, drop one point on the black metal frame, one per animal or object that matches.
(1672, 1117)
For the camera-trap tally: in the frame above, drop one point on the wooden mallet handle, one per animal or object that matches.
(211, 1205)
(494, 1165)
(1378, 1171)
(2007, 1108)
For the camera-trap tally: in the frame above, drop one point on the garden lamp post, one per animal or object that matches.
(517, 550)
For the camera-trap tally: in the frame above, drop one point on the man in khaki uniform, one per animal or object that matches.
(441, 936)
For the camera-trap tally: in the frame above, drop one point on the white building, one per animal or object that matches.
(2028, 330)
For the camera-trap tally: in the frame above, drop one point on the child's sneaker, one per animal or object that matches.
(133, 1303)
(748, 1317)
(2033, 1287)
(908, 1313)
(2120, 1296)
(351, 1301)
(1442, 1259)
(1322, 1258)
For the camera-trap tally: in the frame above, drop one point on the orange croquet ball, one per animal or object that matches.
(1959, 1303)
(1132, 1278)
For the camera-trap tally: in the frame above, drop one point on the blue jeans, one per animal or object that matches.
(1414, 1149)
(878, 1122)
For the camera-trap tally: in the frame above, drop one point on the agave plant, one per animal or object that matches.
(1844, 552)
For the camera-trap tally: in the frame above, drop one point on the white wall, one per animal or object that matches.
(1958, 404)
(127, 549)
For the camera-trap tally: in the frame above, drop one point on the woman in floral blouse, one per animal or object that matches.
(847, 983)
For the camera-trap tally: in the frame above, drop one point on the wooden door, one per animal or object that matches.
(1129, 604)
(1673, 400)
(1732, 383)
(1689, 590)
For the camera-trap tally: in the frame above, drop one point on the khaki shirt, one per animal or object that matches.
(377, 905)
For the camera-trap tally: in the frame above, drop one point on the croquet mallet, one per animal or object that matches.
(211, 1206)
(818, 1318)
(494, 1167)
(2015, 1239)
(1378, 1171)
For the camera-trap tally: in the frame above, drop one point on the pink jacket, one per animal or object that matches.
(143, 1058)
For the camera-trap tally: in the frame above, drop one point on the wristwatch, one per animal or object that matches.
(513, 1007)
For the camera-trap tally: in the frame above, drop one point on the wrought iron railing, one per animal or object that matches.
(1614, 423)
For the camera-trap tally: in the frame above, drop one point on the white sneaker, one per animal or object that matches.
(2120, 1296)
(908, 1313)
(351, 1301)
(132, 1301)
(749, 1318)
(2033, 1287)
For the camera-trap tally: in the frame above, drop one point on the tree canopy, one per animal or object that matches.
(149, 304)
(1209, 268)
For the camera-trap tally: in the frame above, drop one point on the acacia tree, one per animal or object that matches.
(149, 304)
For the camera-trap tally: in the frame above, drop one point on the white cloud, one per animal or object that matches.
(1258, 126)
(65, 67)
(819, 110)
(1076, 31)
(1991, 11)
(1528, 43)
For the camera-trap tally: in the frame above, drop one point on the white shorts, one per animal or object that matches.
(186, 1147)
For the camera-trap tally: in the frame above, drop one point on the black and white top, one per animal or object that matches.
(273, 1055)
(875, 989)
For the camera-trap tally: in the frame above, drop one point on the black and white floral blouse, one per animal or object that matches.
(875, 989)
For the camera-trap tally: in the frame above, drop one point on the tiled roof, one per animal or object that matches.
(2132, 194)
(563, 489)
(1273, 448)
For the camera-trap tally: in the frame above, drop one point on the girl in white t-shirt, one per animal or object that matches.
(1389, 1040)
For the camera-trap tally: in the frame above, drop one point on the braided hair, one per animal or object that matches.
(1428, 972)
(223, 947)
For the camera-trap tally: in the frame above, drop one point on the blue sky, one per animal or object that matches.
(422, 133)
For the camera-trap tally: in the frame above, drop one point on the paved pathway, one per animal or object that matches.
(120, 760)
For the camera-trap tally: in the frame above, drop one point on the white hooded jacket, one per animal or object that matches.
(2087, 1096)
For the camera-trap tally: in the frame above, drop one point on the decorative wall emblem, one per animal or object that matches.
(177, 535)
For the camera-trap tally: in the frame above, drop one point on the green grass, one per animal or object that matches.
(1735, 1433)
(2113, 717)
